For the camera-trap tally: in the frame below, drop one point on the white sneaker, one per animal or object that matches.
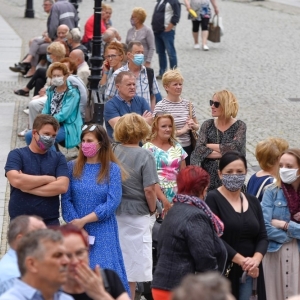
(26, 111)
(205, 47)
(196, 46)
(22, 133)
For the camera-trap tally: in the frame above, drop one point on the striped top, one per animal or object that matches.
(180, 112)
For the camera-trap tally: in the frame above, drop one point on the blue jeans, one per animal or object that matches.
(61, 135)
(165, 41)
(245, 289)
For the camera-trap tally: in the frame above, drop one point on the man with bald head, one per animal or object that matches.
(83, 69)
(62, 12)
(62, 32)
(18, 227)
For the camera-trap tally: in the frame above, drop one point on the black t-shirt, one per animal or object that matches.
(51, 163)
(115, 285)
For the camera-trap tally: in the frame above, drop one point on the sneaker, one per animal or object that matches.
(205, 48)
(196, 46)
(26, 111)
(158, 77)
(22, 133)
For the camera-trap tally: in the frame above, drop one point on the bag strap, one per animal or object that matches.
(262, 186)
(150, 75)
(191, 110)
(105, 281)
(254, 287)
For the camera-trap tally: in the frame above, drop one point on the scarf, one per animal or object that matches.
(293, 199)
(192, 200)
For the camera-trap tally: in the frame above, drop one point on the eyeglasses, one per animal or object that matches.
(113, 56)
(215, 103)
(92, 128)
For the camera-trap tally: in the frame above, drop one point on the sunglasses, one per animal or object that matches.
(215, 103)
(92, 128)
(161, 113)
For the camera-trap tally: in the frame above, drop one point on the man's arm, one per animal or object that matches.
(59, 186)
(112, 122)
(23, 181)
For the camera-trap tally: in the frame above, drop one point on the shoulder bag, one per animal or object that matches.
(214, 31)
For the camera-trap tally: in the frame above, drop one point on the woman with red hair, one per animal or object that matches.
(188, 240)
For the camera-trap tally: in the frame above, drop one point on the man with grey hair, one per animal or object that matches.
(43, 264)
(74, 42)
(18, 227)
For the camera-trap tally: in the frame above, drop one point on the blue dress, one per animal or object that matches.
(85, 196)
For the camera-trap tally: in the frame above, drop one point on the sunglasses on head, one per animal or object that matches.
(215, 103)
(92, 128)
(160, 113)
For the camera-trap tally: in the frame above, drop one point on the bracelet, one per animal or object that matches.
(106, 72)
(152, 212)
(285, 227)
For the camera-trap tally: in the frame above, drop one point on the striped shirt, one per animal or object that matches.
(181, 113)
(142, 85)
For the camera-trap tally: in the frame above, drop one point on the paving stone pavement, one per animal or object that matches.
(258, 60)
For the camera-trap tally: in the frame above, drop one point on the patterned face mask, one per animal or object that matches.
(233, 182)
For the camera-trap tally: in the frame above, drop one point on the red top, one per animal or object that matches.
(89, 29)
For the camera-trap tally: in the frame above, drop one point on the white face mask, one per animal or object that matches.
(288, 175)
(57, 81)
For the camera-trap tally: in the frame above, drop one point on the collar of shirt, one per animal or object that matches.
(30, 293)
(122, 100)
(126, 68)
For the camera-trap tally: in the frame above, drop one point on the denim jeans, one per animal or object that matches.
(245, 289)
(61, 135)
(164, 41)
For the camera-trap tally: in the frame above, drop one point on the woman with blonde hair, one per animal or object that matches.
(268, 153)
(281, 211)
(169, 157)
(179, 108)
(142, 33)
(93, 196)
(138, 198)
(218, 135)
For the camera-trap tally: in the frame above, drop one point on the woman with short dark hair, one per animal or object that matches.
(188, 241)
(244, 235)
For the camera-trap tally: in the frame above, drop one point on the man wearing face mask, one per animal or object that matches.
(37, 176)
(146, 84)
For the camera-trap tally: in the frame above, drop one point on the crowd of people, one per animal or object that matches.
(151, 165)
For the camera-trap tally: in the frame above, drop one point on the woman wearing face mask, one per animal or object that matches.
(244, 235)
(179, 108)
(62, 103)
(188, 240)
(169, 157)
(281, 210)
(218, 135)
(93, 196)
(142, 33)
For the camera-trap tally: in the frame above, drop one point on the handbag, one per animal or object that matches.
(214, 31)
(94, 109)
(254, 295)
(193, 133)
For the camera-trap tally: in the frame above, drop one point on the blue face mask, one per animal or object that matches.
(49, 58)
(138, 59)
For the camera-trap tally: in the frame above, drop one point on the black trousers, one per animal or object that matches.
(37, 81)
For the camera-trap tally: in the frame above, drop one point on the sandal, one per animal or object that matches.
(21, 93)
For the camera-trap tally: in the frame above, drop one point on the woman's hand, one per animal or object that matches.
(278, 223)
(192, 124)
(216, 10)
(78, 223)
(254, 273)
(183, 130)
(91, 281)
(42, 92)
(250, 264)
